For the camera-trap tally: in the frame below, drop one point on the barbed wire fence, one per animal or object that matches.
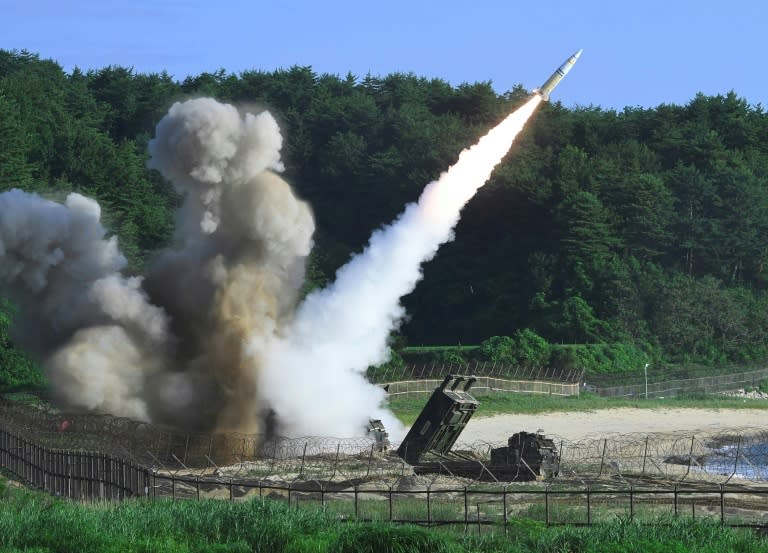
(723, 475)
(601, 491)
(493, 377)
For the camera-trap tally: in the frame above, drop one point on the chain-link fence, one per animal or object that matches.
(660, 386)
(437, 371)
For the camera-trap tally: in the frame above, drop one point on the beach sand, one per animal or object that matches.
(574, 426)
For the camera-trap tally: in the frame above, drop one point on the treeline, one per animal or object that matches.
(644, 228)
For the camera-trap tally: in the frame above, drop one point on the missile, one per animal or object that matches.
(550, 84)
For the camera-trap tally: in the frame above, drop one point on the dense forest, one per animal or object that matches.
(642, 230)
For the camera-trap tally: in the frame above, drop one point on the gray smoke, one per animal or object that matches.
(100, 336)
(171, 346)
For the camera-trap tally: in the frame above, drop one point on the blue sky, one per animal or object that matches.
(635, 53)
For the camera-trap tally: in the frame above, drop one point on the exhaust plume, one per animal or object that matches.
(341, 330)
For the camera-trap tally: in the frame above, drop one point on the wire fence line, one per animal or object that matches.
(438, 370)
(485, 385)
(720, 456)
(721, 475)
(84, 475)
(499, 377)
(671, 388)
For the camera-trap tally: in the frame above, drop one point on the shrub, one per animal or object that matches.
(524, 349)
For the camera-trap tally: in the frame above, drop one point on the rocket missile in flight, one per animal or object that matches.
(550, 84)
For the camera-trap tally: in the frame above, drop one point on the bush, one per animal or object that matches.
(599, 358)
(524, 349)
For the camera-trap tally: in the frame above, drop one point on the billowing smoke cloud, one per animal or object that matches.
(168, 347)
(101, 336)
(242, 242)
(212, 336)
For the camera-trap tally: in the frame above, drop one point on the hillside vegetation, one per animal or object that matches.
(631, 236)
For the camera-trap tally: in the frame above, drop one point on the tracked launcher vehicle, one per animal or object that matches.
(427, 446)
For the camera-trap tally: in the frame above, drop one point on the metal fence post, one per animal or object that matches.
(466, 511)
(602, 460)
(303, 458)
(690, 458)
(504, 502)
(645, 454)
(370, 460)
(675, 496)
(429, 507)
(722, 505)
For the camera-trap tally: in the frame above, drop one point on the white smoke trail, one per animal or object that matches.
(313, 375)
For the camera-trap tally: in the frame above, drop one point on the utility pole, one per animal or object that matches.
(646, 380)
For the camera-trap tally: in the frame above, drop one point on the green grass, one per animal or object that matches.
(408, 408)
(31, 521)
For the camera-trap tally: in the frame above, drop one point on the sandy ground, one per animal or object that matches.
(576, 426)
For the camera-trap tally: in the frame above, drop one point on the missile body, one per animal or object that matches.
(550, 84)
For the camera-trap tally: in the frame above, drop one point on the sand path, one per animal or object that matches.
(580, 425)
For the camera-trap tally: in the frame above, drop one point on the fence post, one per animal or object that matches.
(602, 460)
(722, 506)
(675, 496)
(504, 502)
(645, 453)
(546, 505)
(631, 502)
(303, 457)
(736, 460)
(690, 458)
(370, 460)
(429, 507)
(390, 503)
(336, 462)
(589, 507)
(466, 511)
(356, 504)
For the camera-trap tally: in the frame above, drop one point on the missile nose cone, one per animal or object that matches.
(577, 54)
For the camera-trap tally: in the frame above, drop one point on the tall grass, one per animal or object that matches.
(30, 521)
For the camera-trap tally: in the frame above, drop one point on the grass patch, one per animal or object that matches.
(408, 408)
(31, 521)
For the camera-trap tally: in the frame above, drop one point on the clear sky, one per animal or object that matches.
(636, 53)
